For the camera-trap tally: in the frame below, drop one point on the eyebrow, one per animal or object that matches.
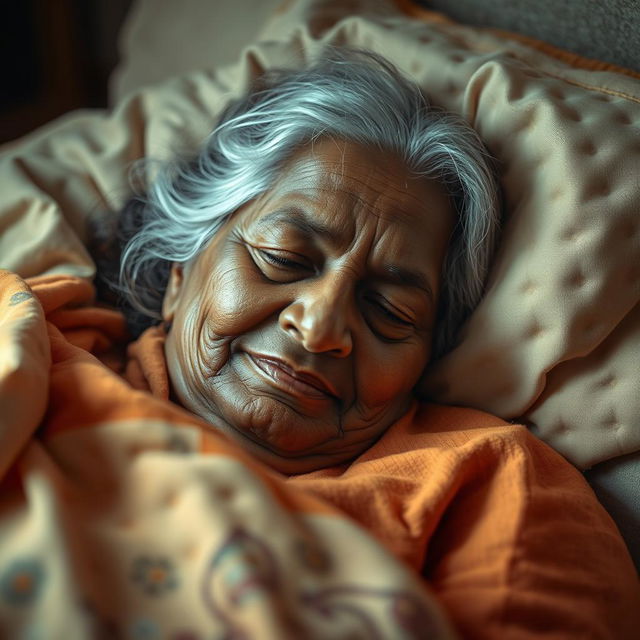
(298, 218)
(392, 273)
(399, 275)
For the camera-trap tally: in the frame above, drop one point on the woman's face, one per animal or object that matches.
(301, 330)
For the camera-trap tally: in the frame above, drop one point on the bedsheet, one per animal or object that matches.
(120, 516)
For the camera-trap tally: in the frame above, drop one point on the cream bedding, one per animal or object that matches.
(556, 340)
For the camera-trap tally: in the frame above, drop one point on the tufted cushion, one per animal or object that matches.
(556, 339)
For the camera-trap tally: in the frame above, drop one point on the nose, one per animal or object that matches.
(318, 318)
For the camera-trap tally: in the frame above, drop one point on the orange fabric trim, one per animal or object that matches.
(568, 57)
(413, 10)
(59, 290)
(146, 366)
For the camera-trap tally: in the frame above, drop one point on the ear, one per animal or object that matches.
(173, 292)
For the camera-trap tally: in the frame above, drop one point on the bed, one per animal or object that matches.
(555, 342)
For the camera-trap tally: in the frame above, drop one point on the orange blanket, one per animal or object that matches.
(123, 515)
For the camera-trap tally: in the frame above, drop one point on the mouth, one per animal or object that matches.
(300, 383)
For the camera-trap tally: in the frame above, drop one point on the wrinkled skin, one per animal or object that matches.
(302, 329)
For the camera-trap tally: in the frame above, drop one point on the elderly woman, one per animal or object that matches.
(289, 285)
(325, 244)
(295, 279)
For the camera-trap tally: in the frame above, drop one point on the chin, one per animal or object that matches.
(289, 463)
(275, 432)
(288, 436)
(278, 450)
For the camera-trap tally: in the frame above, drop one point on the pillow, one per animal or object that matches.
(164, 38)
(556, 339)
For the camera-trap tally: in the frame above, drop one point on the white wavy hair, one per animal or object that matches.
(350, 95)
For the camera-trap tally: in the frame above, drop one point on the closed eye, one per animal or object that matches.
(280, 261)
(281, 266)
(393, 317)
(387, 312)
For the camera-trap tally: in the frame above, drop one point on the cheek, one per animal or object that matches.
(220, 308)
(238, 297)
(229, 304)
(390, 374)
(189, 343)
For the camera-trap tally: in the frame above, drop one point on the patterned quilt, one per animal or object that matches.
(125, 516)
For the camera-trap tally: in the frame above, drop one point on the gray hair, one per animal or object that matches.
(354, 96)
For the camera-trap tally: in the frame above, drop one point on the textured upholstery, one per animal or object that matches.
(608, 31)
(617, 484)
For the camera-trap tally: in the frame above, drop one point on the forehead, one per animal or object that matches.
(359, 177)
(339, 190)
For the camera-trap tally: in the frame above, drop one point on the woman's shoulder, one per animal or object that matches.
(451, 429)
(445, 448)
(456, 446)
(447, 418)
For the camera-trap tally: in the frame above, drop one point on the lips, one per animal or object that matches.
(283, 374)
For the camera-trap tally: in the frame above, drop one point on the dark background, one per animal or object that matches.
(56, 56)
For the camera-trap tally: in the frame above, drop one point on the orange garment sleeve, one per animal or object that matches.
(509, 535)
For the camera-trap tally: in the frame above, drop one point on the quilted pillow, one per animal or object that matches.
(556, 339)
